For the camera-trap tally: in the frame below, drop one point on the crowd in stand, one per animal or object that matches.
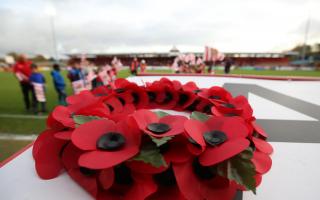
(82, 75)
(189, 63)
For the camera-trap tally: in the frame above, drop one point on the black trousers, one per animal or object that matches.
(28, 93)
(134, 72)
(42, 107)
(62, 96)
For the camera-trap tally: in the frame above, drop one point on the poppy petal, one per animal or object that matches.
(41, 139)
(262, 162)
(144, 117)
(259, 129)
(47, 157)
(195, 129)
(262, 145)
(106, 159)
(106, 178)
(63, 115)
(178, 151)
(70, 156)
(175, 122)
(187, 181)
(63, 135)
(214, 155)
(190, 86)
(86, 135)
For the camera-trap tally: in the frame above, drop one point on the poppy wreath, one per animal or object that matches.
(115, 144)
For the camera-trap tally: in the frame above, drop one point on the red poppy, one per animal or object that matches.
(204, 106)
(220, 138)
(46, 152)
(238, 106)
(186, 97)
(131, 93)
(197, 183)
(151, 124)
(63, 114)
(108, 143)
(162, 94)
(215, 94)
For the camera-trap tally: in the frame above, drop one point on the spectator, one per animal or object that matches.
(134, 66)
(143, 66)
(38, 81)
(59, 84)
(22, 71)
(76, 77)
(227, 66)
(97, 80)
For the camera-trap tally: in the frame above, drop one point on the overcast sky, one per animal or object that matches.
(99, 26)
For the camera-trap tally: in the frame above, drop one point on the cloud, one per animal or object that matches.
(145, 25)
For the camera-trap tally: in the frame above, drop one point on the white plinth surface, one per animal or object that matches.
(295, 173)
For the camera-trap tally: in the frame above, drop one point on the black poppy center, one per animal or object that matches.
(110, 107)
(135, 97)
(197, 91)
(86, 171)
(122, 101)
(215, 137)
(168, 97)
(111, 141)
(158, 128)
(183, 98)
(207, 108)
(228, 105)
(119, 90)
(193, 106)
(151, 95)
(214, 97)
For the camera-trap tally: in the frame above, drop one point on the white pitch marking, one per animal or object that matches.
(266, 109)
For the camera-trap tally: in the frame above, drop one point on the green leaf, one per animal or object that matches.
(161, 141)
(240, 169)
(81, 119)
(161, 113)
(149, 153)
(199, 116)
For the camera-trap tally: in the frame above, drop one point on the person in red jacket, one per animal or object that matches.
(134, 66)
(22, 70)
